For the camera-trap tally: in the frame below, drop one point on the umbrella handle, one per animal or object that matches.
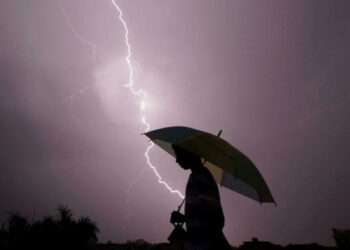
(183, 201)
(179, 208)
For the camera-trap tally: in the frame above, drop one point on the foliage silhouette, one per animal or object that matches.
(62, 232)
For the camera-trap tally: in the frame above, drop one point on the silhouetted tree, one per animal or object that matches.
(17, 230)
(86, 229)
(44, 234)
(62, 232)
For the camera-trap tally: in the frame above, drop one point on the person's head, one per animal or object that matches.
(186, 159)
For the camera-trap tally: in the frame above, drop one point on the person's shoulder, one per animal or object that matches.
(205, 172)
(203, 175)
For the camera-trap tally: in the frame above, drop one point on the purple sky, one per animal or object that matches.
(274, 75)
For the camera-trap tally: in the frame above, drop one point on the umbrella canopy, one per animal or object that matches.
(229, 167)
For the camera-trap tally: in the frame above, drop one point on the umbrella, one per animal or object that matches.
(229, 167)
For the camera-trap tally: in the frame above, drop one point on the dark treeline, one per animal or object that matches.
(59, 232)
(62, 231)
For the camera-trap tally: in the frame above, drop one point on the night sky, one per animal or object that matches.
(273, 75)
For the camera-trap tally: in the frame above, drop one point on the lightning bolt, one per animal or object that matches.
(77, 35)
(84, 41)
(130, 86)
(321, 111)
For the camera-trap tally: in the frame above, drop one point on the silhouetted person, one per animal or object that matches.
(204, 217)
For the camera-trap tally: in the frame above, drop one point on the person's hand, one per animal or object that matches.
(177, 218)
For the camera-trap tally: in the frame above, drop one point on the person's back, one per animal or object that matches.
(203, 212)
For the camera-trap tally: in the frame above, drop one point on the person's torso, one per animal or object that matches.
(203, 211)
